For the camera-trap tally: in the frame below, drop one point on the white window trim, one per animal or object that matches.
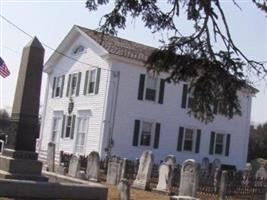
(88, 81)
(81, 117)
(65, 127)
(61, 88)
(224, 142)
(58, 115)
(152, 133)
(157, 89)
(70, 89)
(194, 139)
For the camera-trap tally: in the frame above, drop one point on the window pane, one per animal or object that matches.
(73, 83)
(150, 94)
(188, 139)
(151, 83)
(188, 145)
(91, 87)
(219, 138)
(219, 149)
(146, 133)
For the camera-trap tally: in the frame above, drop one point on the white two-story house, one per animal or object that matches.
(99, 97)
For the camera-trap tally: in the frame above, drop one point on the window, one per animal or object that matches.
(79, 49)
(92, 81)
(58, 86)
(74, 84)
(68, 126)
(219, 143)
(146, 133)
(188, 140)
(55, 128)
(81, 134)
(151, 88)
(187, 97)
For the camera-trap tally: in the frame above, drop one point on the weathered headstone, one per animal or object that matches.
(223, 186)
(170, 160)
(164, 181)
(124, 189)
(261, 174)
(124, 168)
(93, 166)
(144, 171)
(19, 159)
(51, 151)
(205, 166)
(216, 164)
(74, 166)
(216, 177)
(114, 170)
(189, 179)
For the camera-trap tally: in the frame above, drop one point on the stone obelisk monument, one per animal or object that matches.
(19, 160)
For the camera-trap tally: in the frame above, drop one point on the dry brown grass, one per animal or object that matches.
(136, 194)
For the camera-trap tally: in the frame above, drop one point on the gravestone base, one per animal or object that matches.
(140, 186)
(183, 198)
(161, 191)
(22, 169)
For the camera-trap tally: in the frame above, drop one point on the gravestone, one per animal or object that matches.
(93, 166)
(74, 166)
(261, 174)
(205, 165)
(164, 181)
(216, 164)
(216, 177)
(19, 159)
(124, 168)
(223, 184)
(51, 150)
(114, 170)
(144, 171)
(170, 160)
(189, 180)
(124, 189)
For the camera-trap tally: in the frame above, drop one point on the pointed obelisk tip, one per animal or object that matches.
(35, 43)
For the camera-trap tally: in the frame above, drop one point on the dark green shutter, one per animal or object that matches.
(161, 91)
(141, 87)
(136, 132)
(212, 138)
(53, 88)
(86, 82)
(228, 140)
(68, 86)
(180, 139)
(62, 86)
(97, 80)
(63, 126)
(157, 136)
(78, 84)
(198, 141)
(184, 96)
(72, 127)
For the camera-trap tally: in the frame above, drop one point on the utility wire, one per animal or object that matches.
(47, 46)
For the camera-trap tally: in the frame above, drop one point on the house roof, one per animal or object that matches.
(120, 47)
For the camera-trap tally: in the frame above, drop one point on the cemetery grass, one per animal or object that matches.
(135, 194)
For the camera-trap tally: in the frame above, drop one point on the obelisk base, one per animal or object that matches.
(22, 169)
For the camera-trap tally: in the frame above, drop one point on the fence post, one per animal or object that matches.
(223, 184)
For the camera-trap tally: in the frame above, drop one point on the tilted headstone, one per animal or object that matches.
(124, 189)
(93, 166)
(51, 150)
(189, 178)
(74, 166)
(144, 171)
(164, 181)
(114, 170)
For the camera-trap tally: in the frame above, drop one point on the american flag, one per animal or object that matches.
(4, 72)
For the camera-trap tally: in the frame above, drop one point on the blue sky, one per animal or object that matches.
(50, 21)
